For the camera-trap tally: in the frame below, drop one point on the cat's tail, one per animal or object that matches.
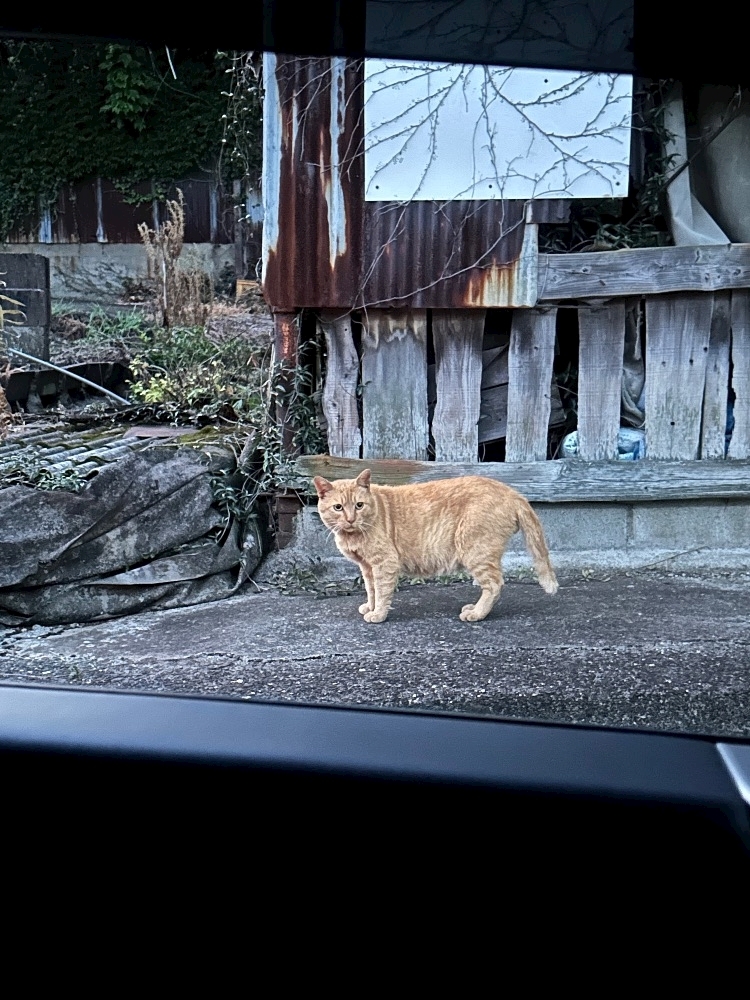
(536, 543)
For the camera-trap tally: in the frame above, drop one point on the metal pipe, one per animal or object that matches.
(63, 371)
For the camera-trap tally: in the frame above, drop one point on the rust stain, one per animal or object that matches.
(492, 287)
(336, 251)
(285, 336)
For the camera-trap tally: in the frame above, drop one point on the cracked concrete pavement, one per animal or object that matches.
(657, 652)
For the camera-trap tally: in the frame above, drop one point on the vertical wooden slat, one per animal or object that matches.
(394, 389)
(530, 358)
(739, 446)
(285, 354)
(714, 424)
(677, 337)
(600, 358)
(457, 336)
(340, 390)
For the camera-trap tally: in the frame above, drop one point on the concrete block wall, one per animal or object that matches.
(679, 536)
(89, 274)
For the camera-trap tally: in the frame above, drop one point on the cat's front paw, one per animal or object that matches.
(364, 608)
(376, 616)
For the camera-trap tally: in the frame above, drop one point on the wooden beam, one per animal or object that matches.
(340, 391)
(648, 271)
(457, 336)
(394, 384)
(739, 446)
(285, 355)
(678, 328)
(571, 481)
(716, 391)
(530, 358)
(600, 359)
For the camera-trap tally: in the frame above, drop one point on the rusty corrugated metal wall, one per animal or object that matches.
(325, 247)
(94, 211)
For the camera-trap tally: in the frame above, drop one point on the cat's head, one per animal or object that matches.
(345, 505)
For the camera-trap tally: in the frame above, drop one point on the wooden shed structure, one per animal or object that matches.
(404, 294)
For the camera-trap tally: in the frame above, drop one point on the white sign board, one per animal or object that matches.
(446, 131)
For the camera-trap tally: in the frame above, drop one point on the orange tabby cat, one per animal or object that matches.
(428, 529)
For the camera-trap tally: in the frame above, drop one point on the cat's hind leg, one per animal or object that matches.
(487, 575)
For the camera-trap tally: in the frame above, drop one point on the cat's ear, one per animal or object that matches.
(363, 479)
(322, 486)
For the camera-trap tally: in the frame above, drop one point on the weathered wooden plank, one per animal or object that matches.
(648, 271)
(340, 390)
(493, 414)
(495, 367)
(600, 357)
(493, 407)
(457, 337)
(714, 425)
(394, 377)
(571, 481)
(677, 336)
(494, 371)
(530, 358)
(739, 446)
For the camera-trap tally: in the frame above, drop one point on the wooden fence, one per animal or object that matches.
(697, 345)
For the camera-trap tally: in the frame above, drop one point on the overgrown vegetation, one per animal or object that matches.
(242, 140)
(638, 220)
(16, 471)
(72, 110)
(183, 377)
(184, 293)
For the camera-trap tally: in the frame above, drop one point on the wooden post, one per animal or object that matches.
(677, 338)
(530, 359)
(340, 391)
(716, 391)
(288, 507)
(600, 358)
(394, 391)
(286, 342)
(739, 446)
(457, 336)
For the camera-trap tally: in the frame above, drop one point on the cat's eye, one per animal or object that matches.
(337, 506)
(360, 505)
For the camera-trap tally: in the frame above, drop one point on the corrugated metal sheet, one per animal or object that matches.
(119, 220)
(57, 451)
(94, 211)
(325, 247)
(311, 182)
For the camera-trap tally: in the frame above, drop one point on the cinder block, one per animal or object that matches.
(679, 525)
(580, 526)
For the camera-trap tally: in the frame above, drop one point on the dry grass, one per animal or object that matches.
(184, 293)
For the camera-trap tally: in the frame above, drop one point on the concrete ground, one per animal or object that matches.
(661, 652)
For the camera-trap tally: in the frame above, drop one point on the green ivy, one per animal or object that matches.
(69, 111)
